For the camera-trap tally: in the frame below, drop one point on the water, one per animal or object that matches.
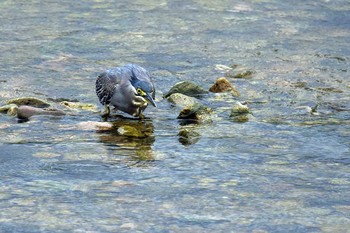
(284, 170)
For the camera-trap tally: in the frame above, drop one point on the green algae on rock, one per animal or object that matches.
(187, 88)
(9, 109)
(30, 101)
(188, 136)
(77, 105)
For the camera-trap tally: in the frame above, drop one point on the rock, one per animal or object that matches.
(188, 136)
(197, 112)
(223, 67)
(240, 113)
(182, 100)
(239, 109)
(95, 125)
(240, 118)
(223, 85)
(30, 101)
(77, 105)
(12, 110)
(6, 108)
(241, 72)
(187, 88)
(25, 112)
(127, 130)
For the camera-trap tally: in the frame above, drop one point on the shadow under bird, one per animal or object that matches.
(128, 88)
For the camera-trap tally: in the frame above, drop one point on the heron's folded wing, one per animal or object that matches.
(105, 86)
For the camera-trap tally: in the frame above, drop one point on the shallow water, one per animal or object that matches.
(284, 170)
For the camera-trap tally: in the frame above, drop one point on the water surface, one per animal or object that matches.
(284, 170)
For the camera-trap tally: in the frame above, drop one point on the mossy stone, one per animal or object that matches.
(187, 88)
(29, 101)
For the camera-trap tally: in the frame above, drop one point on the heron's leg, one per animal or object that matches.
(106, 111)
(141, 116)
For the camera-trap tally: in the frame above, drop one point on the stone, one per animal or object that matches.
(187, 88)
(29, 101)
(240, 113)
(182, 100)
(25, 112)
(77, 105)
(196, 112)
(7, 107)
(95, 125)
(188, 136)
(240, 72)
(223, 85)
(239, 109)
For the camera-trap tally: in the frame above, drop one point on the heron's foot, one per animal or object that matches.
(105, 113)
(141, 116)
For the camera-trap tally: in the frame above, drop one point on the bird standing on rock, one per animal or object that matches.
(128, 88)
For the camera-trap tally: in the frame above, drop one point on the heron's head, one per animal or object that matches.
(144, 88)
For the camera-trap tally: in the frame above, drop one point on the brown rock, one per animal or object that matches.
(223, 85)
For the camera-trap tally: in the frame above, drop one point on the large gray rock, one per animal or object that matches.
(182, 100)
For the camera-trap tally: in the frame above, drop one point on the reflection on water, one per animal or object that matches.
(130, 137)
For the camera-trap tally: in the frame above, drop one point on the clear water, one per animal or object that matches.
(282, 171)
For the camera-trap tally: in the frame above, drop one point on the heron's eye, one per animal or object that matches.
(140, 92)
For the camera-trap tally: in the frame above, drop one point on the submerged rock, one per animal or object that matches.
(25, 112)
(77, 105)
(187, 88)
(197, 112)
(188, 136)
(240, 113)
(182, 100)
(29, 101)
(94, 125)
(130, 131)
(223, 85)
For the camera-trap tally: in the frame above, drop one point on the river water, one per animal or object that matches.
(283, 170)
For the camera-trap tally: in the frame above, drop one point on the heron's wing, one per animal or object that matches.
(106, 84)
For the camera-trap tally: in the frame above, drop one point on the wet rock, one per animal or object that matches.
(130, 131)
(188, 136)
(239, 109)
(223, 85)
(196, 112)
(77, 105)
(241, 72)
(30, 101)
(182, 100)
(6, 108)
(25, 112)
(240, 113)
(223, 67)
(94, 125)
(12, 110)
(187, 88)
